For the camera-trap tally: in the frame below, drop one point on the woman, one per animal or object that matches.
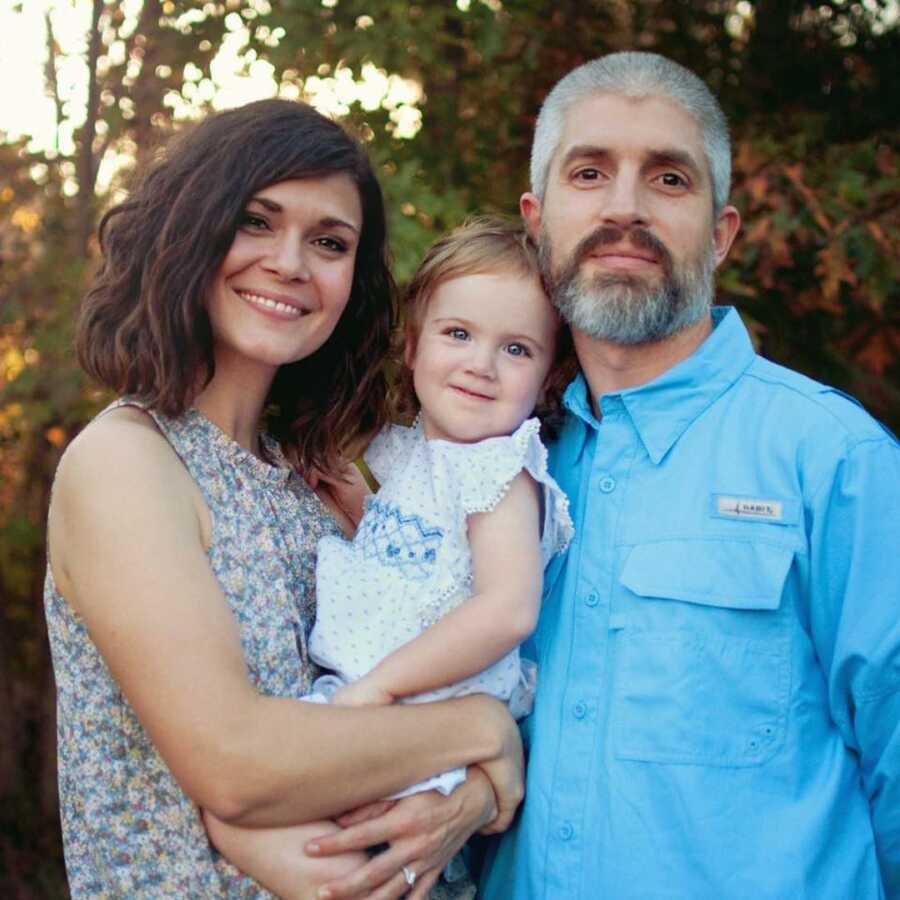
(243, 284)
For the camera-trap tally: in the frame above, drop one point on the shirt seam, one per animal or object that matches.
(813, 398)
(848, 449)
(801, 550)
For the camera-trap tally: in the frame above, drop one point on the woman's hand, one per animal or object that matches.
(345, 493)
(423, 832)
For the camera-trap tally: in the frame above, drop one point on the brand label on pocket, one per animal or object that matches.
(750, 508)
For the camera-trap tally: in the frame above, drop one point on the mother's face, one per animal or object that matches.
(287, 276)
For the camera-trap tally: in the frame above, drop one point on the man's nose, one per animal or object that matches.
(625, 201)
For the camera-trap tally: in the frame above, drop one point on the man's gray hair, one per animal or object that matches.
(635, 75)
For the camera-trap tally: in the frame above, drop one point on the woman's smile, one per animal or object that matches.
(280, 308)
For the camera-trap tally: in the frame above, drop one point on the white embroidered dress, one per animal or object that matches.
(410, 563)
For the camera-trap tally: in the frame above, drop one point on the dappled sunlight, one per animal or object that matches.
(236, 73)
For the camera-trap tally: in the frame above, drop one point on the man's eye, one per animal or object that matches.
(517, 350)
(587, 174)
(673, 179)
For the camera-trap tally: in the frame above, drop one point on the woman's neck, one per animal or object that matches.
(235, 398)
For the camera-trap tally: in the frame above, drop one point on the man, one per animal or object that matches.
(718, 709)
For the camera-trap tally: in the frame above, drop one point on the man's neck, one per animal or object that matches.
(610, 367)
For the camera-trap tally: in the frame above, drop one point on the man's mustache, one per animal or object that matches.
(637, 237)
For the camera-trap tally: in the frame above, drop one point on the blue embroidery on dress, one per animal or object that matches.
(402, 542)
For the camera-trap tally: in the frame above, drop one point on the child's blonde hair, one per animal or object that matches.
(483, 244)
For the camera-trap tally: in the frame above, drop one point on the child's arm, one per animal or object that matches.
(503, 611)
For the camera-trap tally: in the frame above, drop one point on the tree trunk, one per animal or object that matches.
(148, 91)
(87, 164)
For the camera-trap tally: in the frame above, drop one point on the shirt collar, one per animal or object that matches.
(662, 409)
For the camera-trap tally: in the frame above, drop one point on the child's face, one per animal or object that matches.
(484, 350)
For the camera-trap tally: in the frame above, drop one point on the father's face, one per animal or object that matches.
(626, 232)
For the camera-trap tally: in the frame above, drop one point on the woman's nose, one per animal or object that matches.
(287, 259)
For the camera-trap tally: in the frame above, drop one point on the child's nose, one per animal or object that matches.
(482, 361)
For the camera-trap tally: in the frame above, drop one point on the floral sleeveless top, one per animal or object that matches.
(128, 828)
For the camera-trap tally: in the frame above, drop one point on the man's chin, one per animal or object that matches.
(609, 281)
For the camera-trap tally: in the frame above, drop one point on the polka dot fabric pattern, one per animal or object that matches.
(410, 562)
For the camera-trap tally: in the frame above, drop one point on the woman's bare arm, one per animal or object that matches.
(128, 550)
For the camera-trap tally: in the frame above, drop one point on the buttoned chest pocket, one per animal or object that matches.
(703, 660)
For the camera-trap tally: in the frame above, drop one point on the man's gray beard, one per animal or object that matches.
(624, 309)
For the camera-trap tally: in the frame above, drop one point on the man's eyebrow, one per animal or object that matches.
(580, 151)
(325, 221)
(675, 157)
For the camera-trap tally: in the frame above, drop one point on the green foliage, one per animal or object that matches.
(809, 88)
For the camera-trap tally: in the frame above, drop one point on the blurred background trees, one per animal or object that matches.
(445, 94)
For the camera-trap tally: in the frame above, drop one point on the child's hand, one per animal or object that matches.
(364, 692)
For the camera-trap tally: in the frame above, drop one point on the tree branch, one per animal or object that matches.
(51, 79)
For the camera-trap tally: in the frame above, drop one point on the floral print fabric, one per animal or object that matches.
(128, 828)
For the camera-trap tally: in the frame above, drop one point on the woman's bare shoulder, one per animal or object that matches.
(122, 447)
(121, 468)
(120, 475)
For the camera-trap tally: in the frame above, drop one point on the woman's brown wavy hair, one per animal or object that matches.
(482, 244)
(143, 328)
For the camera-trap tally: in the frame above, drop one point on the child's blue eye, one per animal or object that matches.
(459, 334)
(517, 350)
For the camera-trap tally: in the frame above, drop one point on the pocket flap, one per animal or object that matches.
(731, 574)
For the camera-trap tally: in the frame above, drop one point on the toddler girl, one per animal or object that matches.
(443, 579)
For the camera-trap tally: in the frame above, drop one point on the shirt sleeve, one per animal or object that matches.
(386, 449)
(484, 471)
(855, 618)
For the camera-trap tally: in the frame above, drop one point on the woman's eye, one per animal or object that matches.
(333, 244)
(253, 222)
(458, 334)
(517, 350)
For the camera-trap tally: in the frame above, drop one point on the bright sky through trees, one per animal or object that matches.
(28, 111)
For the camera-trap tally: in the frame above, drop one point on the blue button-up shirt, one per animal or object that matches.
(718, 707)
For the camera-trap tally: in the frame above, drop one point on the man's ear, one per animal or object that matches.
(724, 232)
(530, 207)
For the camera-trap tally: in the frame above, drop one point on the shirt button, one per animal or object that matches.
(607, 484)
(566, 831)
(591, 600)
(579, 710)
